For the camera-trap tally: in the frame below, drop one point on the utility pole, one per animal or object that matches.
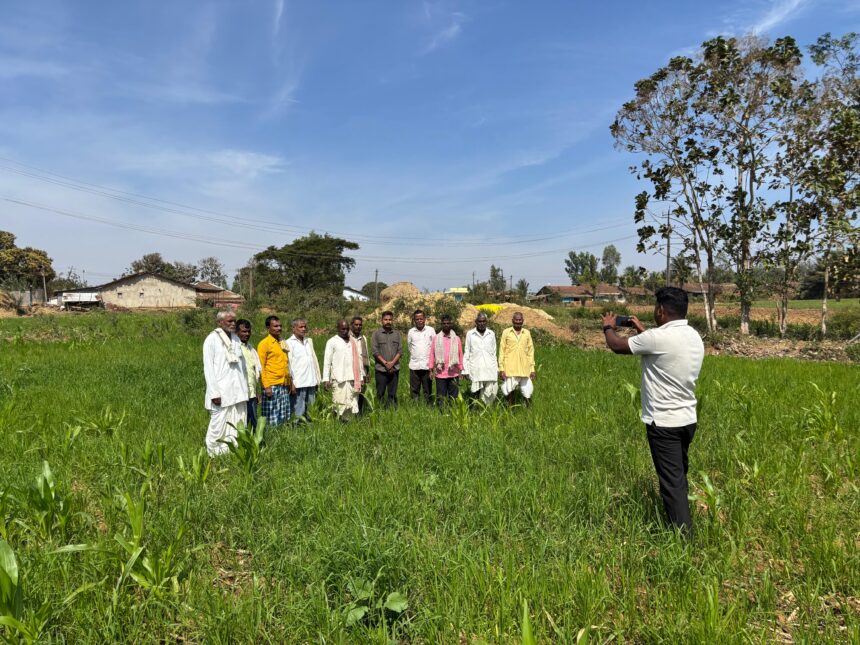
(473, 280)
(376, 286)
(668, 248)
(251, 281)
(44, 289)
(512, 282)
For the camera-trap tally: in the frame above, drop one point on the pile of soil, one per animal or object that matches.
(402, 290)
(533, 319)
(8, 308)
(537, 312)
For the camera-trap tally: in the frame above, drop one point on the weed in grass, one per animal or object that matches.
(107, 422)
(20, 627)
(822, 418)
(48, 508)
(197, 471)
(369, 606)
(248, 445)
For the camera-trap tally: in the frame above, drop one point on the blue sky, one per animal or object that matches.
(442, 136)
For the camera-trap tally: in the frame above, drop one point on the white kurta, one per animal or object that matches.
(480, 363)
(224, 380)
(337, 363)
(304, 365)
(338, 368)
(229, 382)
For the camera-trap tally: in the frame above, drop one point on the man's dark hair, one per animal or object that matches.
(387, 313)
(673, 300)
(354, 318)
(269, 320)
(445, 317)
(418, 311)
(243, 323)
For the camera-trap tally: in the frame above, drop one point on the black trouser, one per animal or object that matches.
(420, 380)
(386, 382)
(669, 452)
(252, 413)
(446, 388)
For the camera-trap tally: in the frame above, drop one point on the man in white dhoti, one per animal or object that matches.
(480, 364)
(343, 371)
(226, 384)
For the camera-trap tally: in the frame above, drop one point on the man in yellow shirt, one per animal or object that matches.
(275, 376)
(517, 360)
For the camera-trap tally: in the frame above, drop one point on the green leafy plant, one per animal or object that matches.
(70, 435)
(197, 470)
(21, 628)
(366, 604)
(248, 444)
(528, 637)
(107, 422)
(51, 512)
(158, 572)
(709, 496)
(461, 412)
(821, 417)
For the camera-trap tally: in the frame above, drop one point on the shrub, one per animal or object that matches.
(853, 352)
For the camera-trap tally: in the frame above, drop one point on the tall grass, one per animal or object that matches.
(539, 523)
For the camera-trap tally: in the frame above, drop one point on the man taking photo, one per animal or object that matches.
(672, 357)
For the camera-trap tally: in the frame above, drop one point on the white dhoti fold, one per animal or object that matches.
(487, 389)
(222, 426)
(524, 383)
(345, 398)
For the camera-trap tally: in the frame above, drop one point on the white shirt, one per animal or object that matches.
(225, 380)
(418, 344)
(337, 364)
(479, 359)
(304, 366)
(672, 356)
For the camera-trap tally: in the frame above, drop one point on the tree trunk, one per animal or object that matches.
(824, 296)
(710, 295)
(782, 313)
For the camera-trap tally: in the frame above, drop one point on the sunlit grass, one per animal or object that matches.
(456, 524)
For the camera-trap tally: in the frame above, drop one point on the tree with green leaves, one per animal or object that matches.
(632, 276)
(155, 264)
(582, 269)
(662, 122)
(311, 263)
(522, 288)
(609, 264)
(23, 267)
(830, 176)
(210, 269)
(373, 289)
(497, 282)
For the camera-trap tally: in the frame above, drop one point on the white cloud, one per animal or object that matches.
(279, 13)
(779, 12)
(446, 34)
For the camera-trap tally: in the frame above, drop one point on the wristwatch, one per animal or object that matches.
(605, 327)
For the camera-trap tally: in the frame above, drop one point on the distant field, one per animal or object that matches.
(466, 515)
(832, 305)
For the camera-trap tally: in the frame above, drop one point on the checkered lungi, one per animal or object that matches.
(277, 409)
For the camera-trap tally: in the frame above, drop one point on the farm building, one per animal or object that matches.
(139, 291)
(578, 293)
(354, 294)
(219, 297)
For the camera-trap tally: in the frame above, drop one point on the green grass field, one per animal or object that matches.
(465, 516)
(832, 304)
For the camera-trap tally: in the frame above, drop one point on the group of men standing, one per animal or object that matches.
(288, 371)
(434, 357)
